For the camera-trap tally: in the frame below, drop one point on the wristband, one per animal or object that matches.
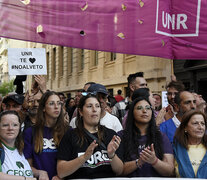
(137, 163)
(112, 156)
(155, 162)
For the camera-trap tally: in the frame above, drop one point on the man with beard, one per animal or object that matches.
(172, 88)
(184, 101)
(135, 81)
(33, 102)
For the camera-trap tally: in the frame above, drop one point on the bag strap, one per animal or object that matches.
(95, 138)
(2, 155)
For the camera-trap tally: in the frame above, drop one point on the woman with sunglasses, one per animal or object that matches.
(42, 140)
(90, 150)
(147, 152)
(13, 165)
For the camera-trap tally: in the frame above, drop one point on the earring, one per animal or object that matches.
(185, 131)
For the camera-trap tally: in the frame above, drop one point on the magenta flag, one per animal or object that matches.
(163, 28)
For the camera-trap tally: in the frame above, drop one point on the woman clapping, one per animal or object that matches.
(90, 150)
(147, 152)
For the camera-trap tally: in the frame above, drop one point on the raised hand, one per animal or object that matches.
(41, 82)
(160, 116)
(148, 154)
(89, 150)
(113, 146)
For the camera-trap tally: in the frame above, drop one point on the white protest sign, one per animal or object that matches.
(164, 99)
(27, 61)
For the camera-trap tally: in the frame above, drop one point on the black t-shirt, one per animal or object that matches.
(98, 166)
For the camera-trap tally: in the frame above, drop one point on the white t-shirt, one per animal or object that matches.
(15, 164)
(109, 121)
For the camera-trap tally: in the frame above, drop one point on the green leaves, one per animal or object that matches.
(7, 87)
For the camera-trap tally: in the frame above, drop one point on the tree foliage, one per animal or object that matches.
(7, 87)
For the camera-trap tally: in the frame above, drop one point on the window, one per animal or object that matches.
(110, 56)
(61, 60)
(48, 69)
(94, 58)
(54, 63)
(80, 59)
(113, 57)
(70, 61)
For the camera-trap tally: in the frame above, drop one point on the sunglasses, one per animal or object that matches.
(89, 93)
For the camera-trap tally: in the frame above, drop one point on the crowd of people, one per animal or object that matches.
(47, 136)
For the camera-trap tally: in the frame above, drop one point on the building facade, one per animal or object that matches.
(68, 69)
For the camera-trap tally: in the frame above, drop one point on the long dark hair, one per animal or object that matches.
(59, 128)
(181, 136)
(19, 143)
(132, 135)
(79, 121)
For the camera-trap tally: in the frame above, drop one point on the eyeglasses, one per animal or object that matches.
(53, 103)
(147, 108)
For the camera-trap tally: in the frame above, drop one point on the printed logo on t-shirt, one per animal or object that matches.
(97, 159)
(20, 165)
(141, 147)
(20, 171)
(49, 145)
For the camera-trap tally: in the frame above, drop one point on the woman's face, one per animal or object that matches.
(91, 112)
(71, 103)
(142, 112)
(196, 128)
(53, 107)
(9, 128)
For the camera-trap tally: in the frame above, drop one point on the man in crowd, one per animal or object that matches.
(13, 102)
(184, 101)
(200, 102)
(135, 81)
(107, 119)
(118, 97)
(62, 97)
(158, 102)
(78, 95)
(32, 99)
(172, 88)
(33, 104)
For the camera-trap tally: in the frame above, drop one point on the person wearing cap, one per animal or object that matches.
(13, 102)
(108, 120)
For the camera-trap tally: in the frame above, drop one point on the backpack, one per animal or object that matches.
(2, 155)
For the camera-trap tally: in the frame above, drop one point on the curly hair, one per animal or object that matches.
(132, 135)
